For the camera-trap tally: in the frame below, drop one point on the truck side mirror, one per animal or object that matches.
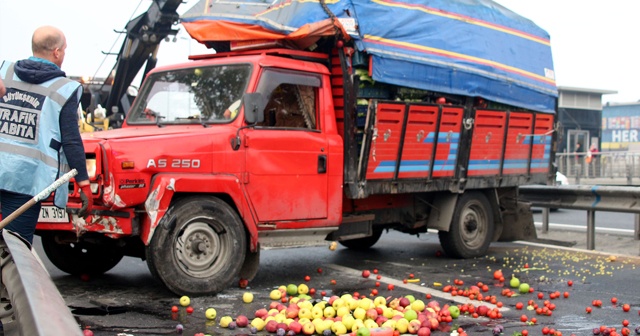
(253, 107)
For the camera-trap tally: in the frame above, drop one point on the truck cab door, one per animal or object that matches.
(286, 154)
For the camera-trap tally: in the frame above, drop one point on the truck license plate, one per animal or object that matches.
(52, 214)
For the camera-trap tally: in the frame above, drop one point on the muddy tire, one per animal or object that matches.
(471, 228)
(362, 243)
(79, 258)
(198, 247)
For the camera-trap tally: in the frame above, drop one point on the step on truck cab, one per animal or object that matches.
(327, 132)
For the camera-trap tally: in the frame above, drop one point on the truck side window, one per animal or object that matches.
(291, 106)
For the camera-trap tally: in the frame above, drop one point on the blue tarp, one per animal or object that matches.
(467, 47)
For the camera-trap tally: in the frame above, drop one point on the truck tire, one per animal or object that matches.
(471, 228)
(198, 247)
(362, 243)
(79, 258)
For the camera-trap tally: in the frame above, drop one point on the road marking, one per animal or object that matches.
(417, 288)
(583, 228)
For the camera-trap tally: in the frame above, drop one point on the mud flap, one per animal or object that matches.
(251, 265)
(518, 224)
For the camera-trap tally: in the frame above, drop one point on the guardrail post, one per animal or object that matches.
(629, 174)
(591, 230)
(578, 168)
(545, 220)
(636, 231)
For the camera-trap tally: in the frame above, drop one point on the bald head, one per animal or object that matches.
(49, 43)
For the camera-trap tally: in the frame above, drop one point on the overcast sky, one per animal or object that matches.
(595, 43)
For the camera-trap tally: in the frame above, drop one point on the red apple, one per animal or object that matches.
(372, 314)
(404, 302)
(242, 321)
(366, 273)
(434, 323)
(414, 326)
(292, 312)
(271, 326)
(381, 319)
(296, 327)
(423, 331)
(262, 313)
(243, 283)
(282, 326)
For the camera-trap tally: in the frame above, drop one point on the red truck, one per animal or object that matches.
(285, 147)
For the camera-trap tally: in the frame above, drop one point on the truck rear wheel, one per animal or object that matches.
(363, 243)
(198, 247)
(79, 258)
(471, 228)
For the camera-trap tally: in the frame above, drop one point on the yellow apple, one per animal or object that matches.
(418, 305)
(304, 313)
(185, 301)
(210, 314)
(402, 325)
(338, 328)
(380, 301)
(225, 320)
(329, 312)
(275, 295)
(247, 297)
(348, 321)
(360, 314)
(258, 323)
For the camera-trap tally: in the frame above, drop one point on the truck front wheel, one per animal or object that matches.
(198, 247)
(471, 228)
(77, 258)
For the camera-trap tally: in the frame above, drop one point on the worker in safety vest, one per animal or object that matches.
(39, 137)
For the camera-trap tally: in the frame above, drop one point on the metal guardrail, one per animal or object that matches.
(583, 197)
(34, 305)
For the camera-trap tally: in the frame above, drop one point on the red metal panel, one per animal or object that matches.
(386, 144)
(417, 149)
(448, 140)
(487, 143)
(283, 179)
(541, 152)
(516, 153)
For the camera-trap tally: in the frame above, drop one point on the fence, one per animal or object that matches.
(611, 165)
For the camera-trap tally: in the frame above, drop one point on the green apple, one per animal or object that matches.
(410, 315)
(454, 311)
(524, 288)
(292, 289)
(364, 331)
(410, 297)
(514, 282)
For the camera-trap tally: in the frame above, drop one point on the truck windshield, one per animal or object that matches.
(190, 96)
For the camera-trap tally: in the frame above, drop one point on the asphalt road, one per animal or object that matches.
(128, 301)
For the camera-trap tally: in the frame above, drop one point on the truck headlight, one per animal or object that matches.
(91, 167)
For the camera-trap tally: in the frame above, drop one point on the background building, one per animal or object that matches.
(579, 118)
(621, 127)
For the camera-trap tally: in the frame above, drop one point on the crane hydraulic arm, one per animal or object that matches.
(143, 36)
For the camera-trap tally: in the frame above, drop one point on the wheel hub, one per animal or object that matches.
(197, 248)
